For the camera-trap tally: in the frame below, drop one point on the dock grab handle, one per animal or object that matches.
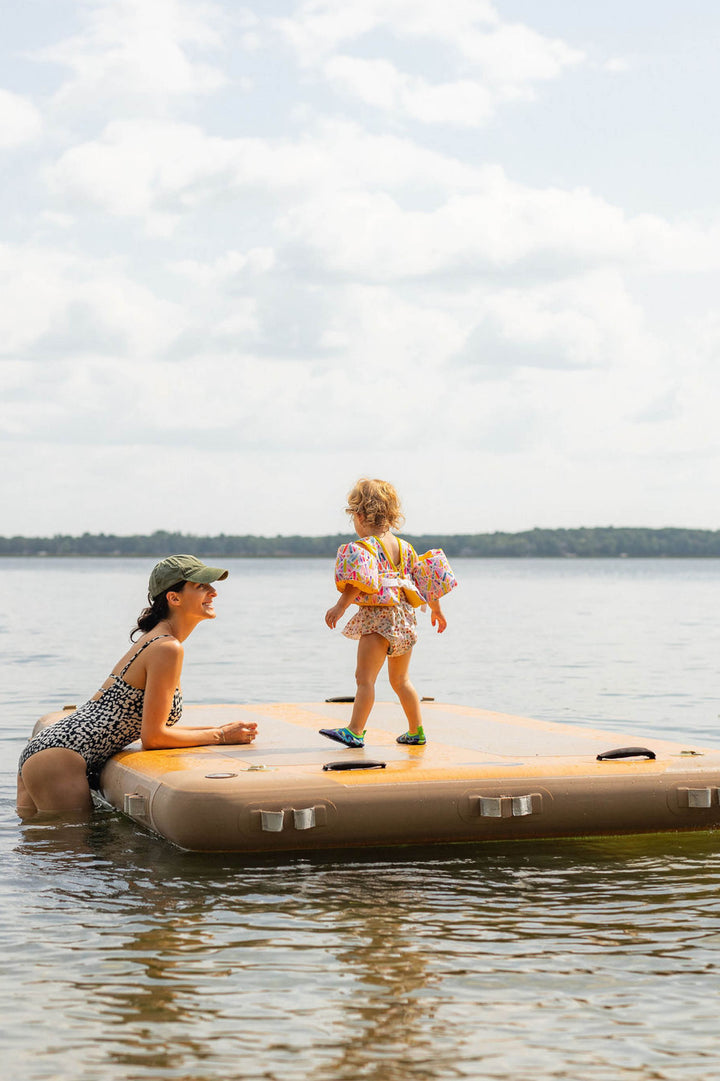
(351, 698)
(362, 764)
(626, 752)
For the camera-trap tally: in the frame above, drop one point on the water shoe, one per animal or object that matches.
(344, 736)
(413, 739)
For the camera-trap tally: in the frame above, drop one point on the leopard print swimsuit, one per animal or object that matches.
(103, 726)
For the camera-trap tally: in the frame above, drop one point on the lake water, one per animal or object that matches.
(123, 958)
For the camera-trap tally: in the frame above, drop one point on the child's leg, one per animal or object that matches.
(409, 699)
(372, 651)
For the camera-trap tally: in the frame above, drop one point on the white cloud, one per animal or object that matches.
(142, 168)
(318, 28)
(378, 82)
(228, 266)
(20, 121)
(54, 302)
(155, 169)
(618, 64)
(500, 225)
(138, 52)
(57, 220)
(498, 61)
(340, 192)
(585, 321)
(378, 329)
(241, 322)
(512, 57)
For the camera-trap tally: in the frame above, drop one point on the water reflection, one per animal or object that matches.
(383, 1023)
(467, 961)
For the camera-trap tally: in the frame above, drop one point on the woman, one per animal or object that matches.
(141, 699)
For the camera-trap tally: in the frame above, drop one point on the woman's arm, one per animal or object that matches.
(164, 667)
(180, 735)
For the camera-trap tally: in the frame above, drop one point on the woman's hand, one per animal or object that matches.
(237, 732)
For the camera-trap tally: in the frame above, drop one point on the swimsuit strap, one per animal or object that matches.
(142, 647)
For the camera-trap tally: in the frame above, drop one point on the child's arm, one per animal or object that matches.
(348, 595)
(436, 616)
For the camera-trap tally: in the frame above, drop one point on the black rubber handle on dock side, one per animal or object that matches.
(626, 752)
(351, 698)
(362, 764)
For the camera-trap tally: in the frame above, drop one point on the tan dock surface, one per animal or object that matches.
(481, 776)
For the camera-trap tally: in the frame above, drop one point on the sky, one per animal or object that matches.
(251, 252)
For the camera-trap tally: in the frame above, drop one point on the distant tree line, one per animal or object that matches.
(603, 542)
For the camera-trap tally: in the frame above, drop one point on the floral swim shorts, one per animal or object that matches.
(395, 622)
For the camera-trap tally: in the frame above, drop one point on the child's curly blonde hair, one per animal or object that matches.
(377, 502)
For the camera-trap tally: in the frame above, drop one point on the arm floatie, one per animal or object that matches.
(433, 574)
(356, 566)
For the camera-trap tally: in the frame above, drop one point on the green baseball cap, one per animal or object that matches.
(182, 569)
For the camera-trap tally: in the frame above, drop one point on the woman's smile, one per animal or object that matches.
(198, 593)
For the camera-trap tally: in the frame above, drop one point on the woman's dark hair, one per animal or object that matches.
(156, 613)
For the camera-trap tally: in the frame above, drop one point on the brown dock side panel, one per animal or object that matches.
(482, 776)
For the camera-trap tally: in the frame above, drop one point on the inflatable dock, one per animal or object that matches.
(482, 776)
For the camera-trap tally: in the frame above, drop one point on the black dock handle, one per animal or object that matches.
(361, 763)
(626, 752)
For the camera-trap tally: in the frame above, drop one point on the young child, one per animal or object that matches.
(388, 580)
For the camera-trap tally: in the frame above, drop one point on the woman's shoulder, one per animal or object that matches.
(168, 643)
(162, 647)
